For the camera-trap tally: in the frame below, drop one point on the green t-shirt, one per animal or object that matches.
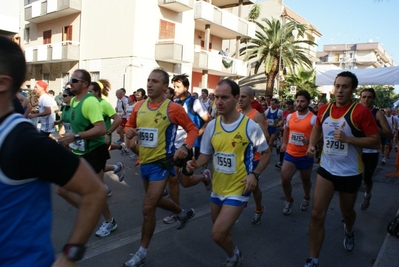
(84, 114)
(108, 112)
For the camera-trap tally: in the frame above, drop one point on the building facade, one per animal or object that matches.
(123, 41)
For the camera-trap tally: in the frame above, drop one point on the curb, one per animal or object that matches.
(388, 254)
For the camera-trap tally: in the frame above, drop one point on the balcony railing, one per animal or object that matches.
(52, 53)
(45, 10)
(173, 52)
(223, 23)
(177, 5)
(220, 65)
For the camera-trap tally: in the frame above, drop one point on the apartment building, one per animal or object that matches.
(123, 40)
(352, 56)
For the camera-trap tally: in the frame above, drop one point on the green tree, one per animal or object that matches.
(265, 49)
(303, 80)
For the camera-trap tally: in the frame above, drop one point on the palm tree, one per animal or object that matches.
(265, 49)
(303, 80)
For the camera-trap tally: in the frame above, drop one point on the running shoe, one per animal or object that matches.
(310, 263)
(383, 161)
(233, 263)
(133, 156)
(304, 205)
(124, 149)
(190, 213)
(287, 207)
(366, 202)
(106, 228)
(208, 179)
(257, 218)
(120, 172)
(109, 191)
(349, 240)
(118, 142)
(278, 165)
(170, 219)
(137, 260)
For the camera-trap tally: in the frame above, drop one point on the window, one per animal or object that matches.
(27, 35)
(166, 30)
(95, 76)
(203, 45)
(47, 37)
(67, 33)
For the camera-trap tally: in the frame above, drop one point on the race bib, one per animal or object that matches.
(270, 122)
(335, 147)
(148, 137)
(224, 163)
(68, 127)
(78, 145)
(296, 138)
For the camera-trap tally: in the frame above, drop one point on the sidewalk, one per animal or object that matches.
(389, 252)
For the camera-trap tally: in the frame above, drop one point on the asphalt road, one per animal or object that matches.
(278, 241)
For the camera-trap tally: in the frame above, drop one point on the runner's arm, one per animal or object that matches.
(93, 196)
(385, 130)
(260, 120)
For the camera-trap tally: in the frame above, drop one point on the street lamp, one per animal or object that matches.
(124, 74)
(294, 33)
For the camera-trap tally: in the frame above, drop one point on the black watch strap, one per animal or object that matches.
(256, 175)
(74, 252)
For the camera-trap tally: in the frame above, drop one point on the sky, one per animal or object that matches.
(352, 21)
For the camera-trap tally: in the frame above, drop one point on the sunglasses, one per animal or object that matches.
(65, 95)
(75, 80)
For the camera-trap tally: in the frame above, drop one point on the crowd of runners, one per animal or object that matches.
(222, 140)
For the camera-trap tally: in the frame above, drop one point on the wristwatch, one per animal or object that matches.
(74, 252)
(77, 136)
(187, 147)
(108, 133)
(256, 175)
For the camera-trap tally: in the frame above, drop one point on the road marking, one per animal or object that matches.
(117, 240)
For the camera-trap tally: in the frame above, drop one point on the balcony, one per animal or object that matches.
(231, 3)
(214, 64)
(223, 24)
(173, 53)
(177, 5)
(53, 53)
(46, 10)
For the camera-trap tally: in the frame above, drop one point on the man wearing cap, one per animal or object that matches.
(46, 109)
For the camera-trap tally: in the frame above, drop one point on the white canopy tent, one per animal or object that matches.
(376, 76)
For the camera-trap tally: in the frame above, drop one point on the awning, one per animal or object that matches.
(375, 76)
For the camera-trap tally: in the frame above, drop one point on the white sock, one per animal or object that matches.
(143, 251)
(182, 214)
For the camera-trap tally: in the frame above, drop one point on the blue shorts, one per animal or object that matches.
(151, 172)
(228, 201)
(301, 163)
(272, 130)
(386, 141)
